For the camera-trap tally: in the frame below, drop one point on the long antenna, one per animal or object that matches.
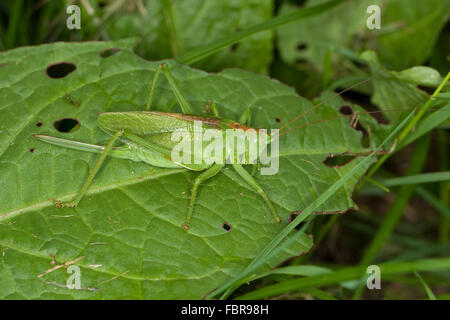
(351, 116)
(322, 102)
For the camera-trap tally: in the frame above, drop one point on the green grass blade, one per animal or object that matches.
(407, 130)
(396, 211)
(439, 206)
(417, 179)
(423, 110)
(302, 13)
(15, 15)
(423, 252)
(319, 294)
(346, 274)
(301, 270)
(430, 293)
(432, 121)
(377, 184)
(444, 195)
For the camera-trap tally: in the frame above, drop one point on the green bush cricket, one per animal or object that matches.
(147, 138)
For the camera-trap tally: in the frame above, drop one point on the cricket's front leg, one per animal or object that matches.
(211, 172)
(91, 175)
(185, 106)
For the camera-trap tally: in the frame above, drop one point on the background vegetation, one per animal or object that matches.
(403, 219)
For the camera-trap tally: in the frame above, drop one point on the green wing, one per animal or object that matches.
(157, 128)
(143, 123)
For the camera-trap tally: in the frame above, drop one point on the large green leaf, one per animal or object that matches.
(127, 231)
(172, 28)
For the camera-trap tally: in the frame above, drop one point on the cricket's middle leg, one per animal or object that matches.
(211, 172)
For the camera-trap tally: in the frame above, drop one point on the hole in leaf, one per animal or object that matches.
(234, 47)
(302, 46)
(60, 70)
(364, 100)
(39, 124)
(339, 160)
(32, 150)
(108, 52)
(346, 110)
(294, 215)
(277, 120)
(67, 125)
(226, 226)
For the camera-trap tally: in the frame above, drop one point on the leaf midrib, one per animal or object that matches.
(100, 270)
